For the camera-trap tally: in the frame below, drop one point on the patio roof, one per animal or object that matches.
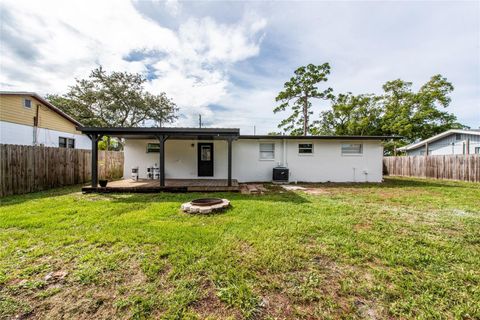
(172, 133)
(209, 134)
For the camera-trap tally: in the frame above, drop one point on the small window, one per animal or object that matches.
(352, 148)
(267, 151)
(206, 153)
(27, 103)
(153, 147)
(66, 143)
(458, 136)
(477, 150)
(305, 148)
(62, 142)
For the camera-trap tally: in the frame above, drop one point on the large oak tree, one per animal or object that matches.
(116, 99)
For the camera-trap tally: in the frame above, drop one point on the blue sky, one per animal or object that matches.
(228, 60)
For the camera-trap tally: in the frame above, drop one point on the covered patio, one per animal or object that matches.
(162, 135)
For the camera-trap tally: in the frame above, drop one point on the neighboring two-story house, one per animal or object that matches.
(28, 119)
(455, 141)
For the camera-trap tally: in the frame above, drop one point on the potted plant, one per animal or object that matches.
(103, 182)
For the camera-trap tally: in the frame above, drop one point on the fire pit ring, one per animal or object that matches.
(205, 205)
(203, 202)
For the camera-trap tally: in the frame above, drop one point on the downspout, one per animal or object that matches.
(284, 160)
(35, 126)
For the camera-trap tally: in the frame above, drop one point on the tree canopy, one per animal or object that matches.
(297, 95)
(116, 99)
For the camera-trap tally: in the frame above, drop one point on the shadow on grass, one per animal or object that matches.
(274, 195)
(396, 182)
(271, 196)
(51, 193)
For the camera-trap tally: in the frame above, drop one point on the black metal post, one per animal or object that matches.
(94, 138)
(229, 140)
(161, 140)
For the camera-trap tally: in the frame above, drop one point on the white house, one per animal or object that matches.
(455, 141)
(224, 154)
(28, 119)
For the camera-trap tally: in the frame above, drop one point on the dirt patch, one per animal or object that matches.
(316, 191)
(278, 305)
(58, 294)
(322, 289)
(252, 188)
(209, 305)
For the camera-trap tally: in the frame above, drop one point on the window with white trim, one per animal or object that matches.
(66, 143)
(477, 150)
(305, 148)
(27, 103)
(267, 151)
(352, 149)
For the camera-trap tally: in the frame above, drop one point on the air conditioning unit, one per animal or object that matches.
(280, 175)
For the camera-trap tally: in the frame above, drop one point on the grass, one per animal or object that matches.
(402, 249)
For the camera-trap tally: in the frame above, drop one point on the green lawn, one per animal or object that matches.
(402, 249)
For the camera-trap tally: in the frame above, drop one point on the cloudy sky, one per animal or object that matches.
(228, 60)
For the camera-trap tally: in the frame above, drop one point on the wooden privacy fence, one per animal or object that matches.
(26, 169)
(455, 167)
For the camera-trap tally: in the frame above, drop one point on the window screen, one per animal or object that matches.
(305, 148)
(153, 147)
(267, 151)
(27, 103)
(352, 148)
(206, 153)
(62, 142)
(66, 143)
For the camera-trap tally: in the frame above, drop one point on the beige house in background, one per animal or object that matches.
(28, 119)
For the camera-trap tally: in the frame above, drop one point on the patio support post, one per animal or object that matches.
(161, 140)
(229, 141)
(94, 137)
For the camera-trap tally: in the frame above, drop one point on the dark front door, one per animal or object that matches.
(205, 159)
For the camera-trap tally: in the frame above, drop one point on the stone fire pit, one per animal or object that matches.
(205, 205)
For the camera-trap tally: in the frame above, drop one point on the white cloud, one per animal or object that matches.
(70, 38)
(205, 49)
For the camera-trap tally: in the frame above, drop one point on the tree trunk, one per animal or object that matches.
(305, 116)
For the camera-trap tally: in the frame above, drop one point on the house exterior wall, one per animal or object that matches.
(12, 110)
(449, 145)
(17, 124)
(325, 164)
(12, 133)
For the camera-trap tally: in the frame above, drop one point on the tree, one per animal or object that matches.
(417, 115)
(297, 95)
(112, 144)
(117, 99)
(350, 115)
(398, 111)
